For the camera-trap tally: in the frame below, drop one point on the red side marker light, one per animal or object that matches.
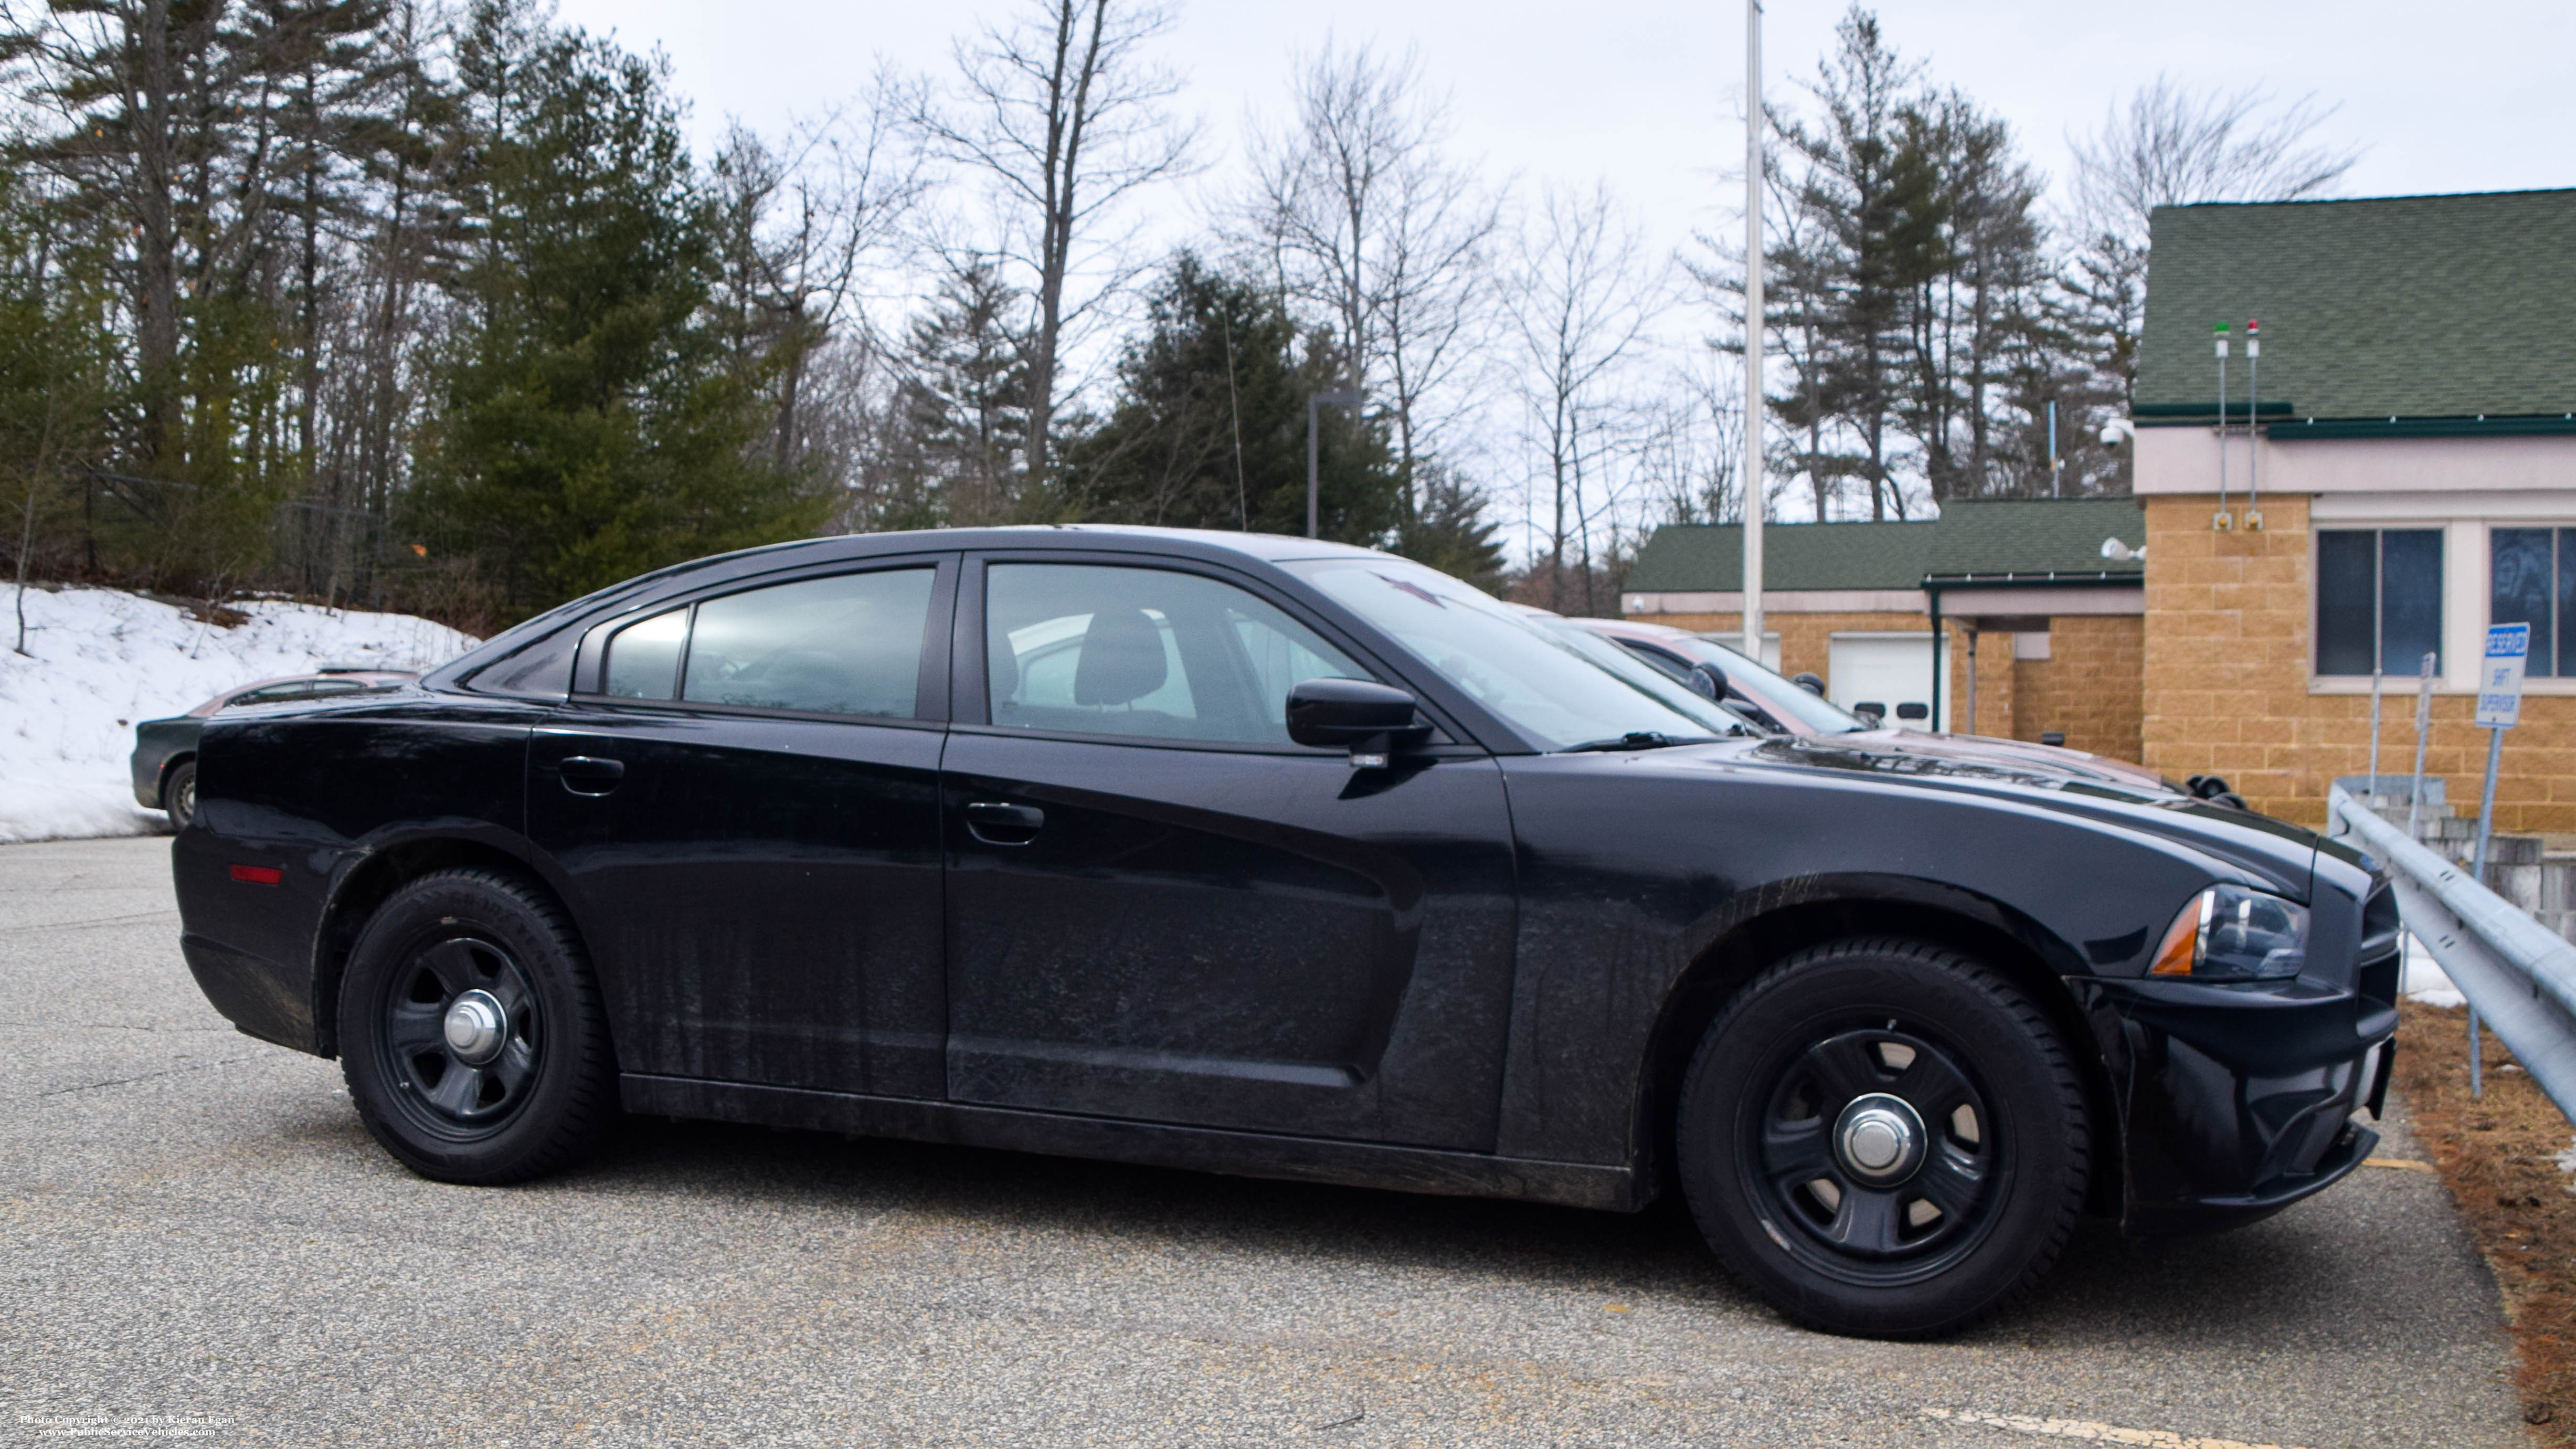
(258, 874)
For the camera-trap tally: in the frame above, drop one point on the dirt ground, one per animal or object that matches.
(2499, 1154)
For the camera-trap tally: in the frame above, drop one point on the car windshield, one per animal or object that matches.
(1777, 693)
(1562, 692)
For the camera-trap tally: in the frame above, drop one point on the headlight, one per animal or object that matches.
(2229, 933)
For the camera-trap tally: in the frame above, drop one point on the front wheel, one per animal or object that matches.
(1885, 1137)
(471, 1033)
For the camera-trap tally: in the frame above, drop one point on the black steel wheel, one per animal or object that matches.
(1885, 1137)
(179, 795)
(462, 1037)
(470, 1031)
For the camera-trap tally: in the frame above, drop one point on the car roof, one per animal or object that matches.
(1118, 537)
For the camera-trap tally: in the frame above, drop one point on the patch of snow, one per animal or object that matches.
(2567, 1161)
(104, 660)
(2422, 978)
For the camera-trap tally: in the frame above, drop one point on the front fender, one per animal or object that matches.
(1632, 866)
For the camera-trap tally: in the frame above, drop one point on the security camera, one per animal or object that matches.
(2118, 431)
(2118, 552)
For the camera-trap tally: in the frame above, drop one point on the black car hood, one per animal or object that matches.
(2276, 852)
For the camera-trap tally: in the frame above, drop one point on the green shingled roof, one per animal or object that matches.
(2020, 536)
(2411, 307)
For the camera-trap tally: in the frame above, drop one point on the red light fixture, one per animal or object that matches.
(258, 874)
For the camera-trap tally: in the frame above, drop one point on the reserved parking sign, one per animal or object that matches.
(2500, 675)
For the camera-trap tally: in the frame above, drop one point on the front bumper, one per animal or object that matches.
(2238, 1101)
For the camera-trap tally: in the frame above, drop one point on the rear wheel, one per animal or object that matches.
(179, 795)
(1885, 1137)
(471, 1033)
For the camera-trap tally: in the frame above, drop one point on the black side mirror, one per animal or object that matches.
(1871, 710)
(1914, 709)
(1809, 683)
(1367, 718)
(1708, 681)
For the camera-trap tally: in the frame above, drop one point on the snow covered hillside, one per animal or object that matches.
(104, 659)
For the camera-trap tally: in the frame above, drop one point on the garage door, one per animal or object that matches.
(1887, 669)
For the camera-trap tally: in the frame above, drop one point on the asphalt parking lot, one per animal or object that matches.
(198, 1228)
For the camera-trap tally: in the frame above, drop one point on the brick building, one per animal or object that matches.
(2415, 443)
(2039, 632)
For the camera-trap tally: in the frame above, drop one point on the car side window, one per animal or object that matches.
(1089, 649)
(644, 658)
(848, 644)
(1663, 662)
(271, 694)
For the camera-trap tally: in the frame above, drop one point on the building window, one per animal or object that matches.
(2379, 599)
(2533, 582)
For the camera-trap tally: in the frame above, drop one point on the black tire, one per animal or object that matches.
(1829, 1221)
(179, 795)
(533, 1088)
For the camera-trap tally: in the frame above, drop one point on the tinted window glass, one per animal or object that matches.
(644, 659)
(2379, 598)
(2523, 584)
(2410, 598)
(1558, 689)
(2347, 600)
(850, 644)
(2566, 602)
(271, 694)
(1151, 652)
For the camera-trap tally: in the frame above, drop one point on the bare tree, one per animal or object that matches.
(1690, 447)
(2168, 146)
(801, 220)
(1064, 116)
(1363, 217)
(1582, 300)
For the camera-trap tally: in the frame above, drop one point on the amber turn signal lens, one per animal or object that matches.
(2174, 957)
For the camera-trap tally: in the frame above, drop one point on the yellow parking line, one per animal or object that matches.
(2089, 1431)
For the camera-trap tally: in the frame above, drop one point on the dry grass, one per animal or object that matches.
(2498, 1156)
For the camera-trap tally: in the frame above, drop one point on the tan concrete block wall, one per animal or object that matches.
(2227, 655)
(1998, 701)
(2089, 686)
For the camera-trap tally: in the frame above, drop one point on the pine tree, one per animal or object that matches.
(592, 421)
(1208, 428)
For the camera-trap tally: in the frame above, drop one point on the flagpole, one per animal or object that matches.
(1753, 318)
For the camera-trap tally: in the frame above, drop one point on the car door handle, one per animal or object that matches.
(997, 824)
(590, 775)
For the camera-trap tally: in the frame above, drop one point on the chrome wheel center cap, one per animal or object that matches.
(476, 1027)
(1879, 1139)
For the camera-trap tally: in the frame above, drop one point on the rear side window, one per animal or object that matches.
(849, 644)
(644, 659)
(844, 645)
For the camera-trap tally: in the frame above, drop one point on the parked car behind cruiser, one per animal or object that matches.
(1268, 856)
(1791, 708)
(164, 763)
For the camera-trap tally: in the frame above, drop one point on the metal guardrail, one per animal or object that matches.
(2517, 973)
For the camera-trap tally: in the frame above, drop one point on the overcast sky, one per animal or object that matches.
(2458, 97)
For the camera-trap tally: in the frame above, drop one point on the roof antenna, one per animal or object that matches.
(2222, 521)
(2254, 430)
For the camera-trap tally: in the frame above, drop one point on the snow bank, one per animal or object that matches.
(104, 659)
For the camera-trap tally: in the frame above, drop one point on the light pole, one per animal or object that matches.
(1753, 320)
(1340, 398)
